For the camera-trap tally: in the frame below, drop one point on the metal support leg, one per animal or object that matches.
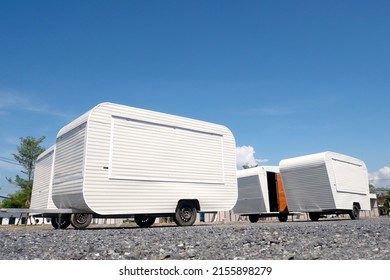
(59, 220)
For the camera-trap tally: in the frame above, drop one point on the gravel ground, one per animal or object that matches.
(301, 240)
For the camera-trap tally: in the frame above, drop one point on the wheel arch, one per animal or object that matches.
(194, 202)
(356, 204)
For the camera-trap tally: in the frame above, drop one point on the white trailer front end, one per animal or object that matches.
(326, 183)
(116, 161)
(41, 197)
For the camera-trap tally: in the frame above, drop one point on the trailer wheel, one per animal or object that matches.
(253, 218)
(144, 221)
(65, 222)
(314, 216)
(80, 220)
(355, 213)
(185, 214)
(283, 217)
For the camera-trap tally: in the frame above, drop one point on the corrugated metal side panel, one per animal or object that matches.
(68, 168)
(181, 155)
(146, 188)
(41, 192)
(70, 154)
(349, 177)
(250, 196)
(306, 183)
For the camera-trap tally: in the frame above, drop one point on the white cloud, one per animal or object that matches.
(246, 156)
(7, 100)
(13, 100)
(380, 178)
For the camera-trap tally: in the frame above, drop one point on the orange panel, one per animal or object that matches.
(282, 197)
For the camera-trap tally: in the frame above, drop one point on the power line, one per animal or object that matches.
(7, 160)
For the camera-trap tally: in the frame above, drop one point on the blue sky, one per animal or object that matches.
(289, 78)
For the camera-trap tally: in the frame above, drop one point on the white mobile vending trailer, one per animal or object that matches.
(260, 194)
(118, 161)
(326, 183)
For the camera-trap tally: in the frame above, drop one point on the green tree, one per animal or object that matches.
(247, 166)
(17, 200)
(28, 152)
(386, 202)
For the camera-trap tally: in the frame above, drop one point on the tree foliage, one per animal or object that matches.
(28, 152)
(17, 200)
(386, 202)
(247, 166)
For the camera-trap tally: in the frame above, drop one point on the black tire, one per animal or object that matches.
(254, 218)
(144, 221)
(185, 214)
(314, 216)
(65, 222)
(355, 213)
(283, 217)
(80, 220)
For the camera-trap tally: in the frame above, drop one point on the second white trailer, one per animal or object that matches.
(117, 160)
(260, 194)
(41, 197)
(326, 183)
